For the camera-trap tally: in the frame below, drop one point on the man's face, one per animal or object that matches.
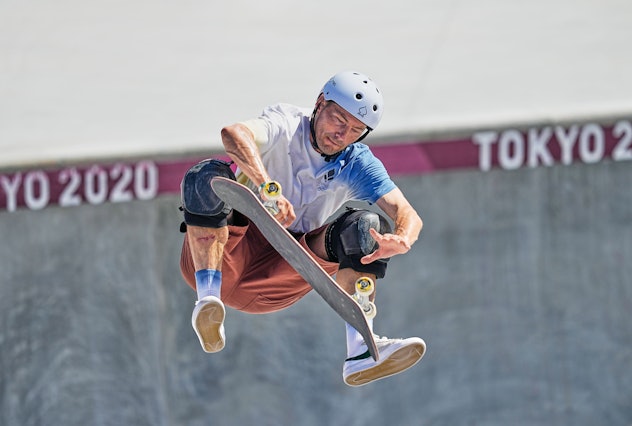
(335, 128)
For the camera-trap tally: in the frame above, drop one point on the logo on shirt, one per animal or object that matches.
(327, 177)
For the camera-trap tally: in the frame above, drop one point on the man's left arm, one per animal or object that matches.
(408, 225)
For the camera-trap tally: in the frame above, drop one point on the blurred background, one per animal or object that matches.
(508, 125)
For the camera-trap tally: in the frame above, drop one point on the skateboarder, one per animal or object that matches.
(316, 156)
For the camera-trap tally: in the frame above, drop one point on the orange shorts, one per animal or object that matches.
(255, 278)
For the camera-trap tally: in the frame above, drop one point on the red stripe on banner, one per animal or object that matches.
(506, 149)
(409, 158)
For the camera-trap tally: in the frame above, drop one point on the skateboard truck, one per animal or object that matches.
(270, 192)
(364, 288)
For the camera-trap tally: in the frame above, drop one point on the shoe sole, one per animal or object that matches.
(398, 361)
(208, 325)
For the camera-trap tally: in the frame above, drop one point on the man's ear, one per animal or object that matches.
(320, 101)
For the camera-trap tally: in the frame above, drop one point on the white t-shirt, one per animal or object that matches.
(315, 187)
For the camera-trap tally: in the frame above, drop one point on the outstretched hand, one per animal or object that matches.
(388, 245)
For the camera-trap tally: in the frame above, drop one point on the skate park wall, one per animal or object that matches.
(520, 285)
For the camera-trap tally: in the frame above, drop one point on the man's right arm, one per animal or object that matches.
(240, 145)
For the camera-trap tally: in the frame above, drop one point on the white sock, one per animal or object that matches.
(355, 341)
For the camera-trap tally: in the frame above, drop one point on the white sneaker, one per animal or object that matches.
(208, 323)
(396, 355)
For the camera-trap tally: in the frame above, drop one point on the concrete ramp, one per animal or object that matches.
(520, 285)
(525, 290)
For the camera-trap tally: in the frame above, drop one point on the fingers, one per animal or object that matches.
(376, 235)
(284, 220)
(392, 241)
(369, 258)
(286, 215)
(389, 245)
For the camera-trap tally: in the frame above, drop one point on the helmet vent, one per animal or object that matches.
(358, 96)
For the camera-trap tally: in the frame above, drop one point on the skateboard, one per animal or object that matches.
(242, 199)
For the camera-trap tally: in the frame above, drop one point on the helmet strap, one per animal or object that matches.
(327, 158)
(364, 135)
(313, 133)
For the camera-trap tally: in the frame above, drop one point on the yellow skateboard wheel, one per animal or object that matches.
(365, 286)
(270, 190)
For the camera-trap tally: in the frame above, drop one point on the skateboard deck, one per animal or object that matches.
(242, 199)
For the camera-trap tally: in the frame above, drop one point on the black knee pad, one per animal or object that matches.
(348, 239)
(200, 204)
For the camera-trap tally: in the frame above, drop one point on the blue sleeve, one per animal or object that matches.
(367, 177)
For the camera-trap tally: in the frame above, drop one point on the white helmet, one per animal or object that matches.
(358, 95)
